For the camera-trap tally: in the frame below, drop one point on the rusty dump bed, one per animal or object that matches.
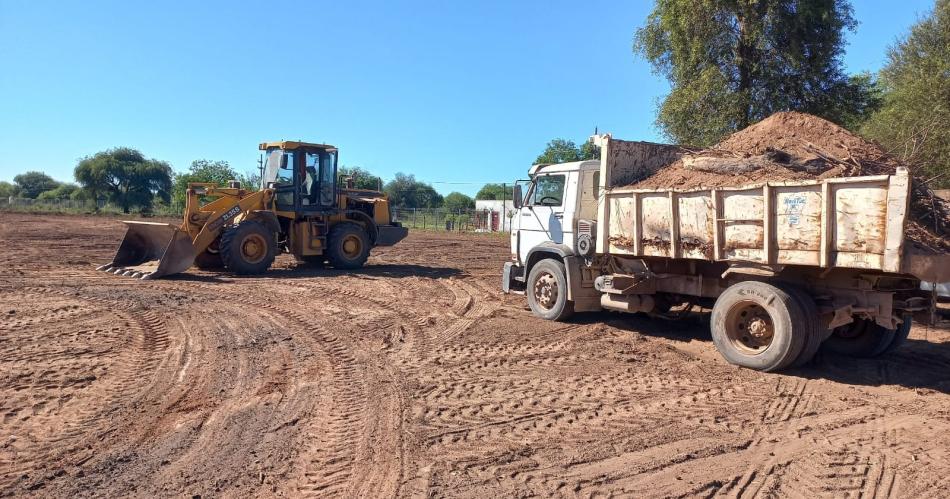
(854, 222)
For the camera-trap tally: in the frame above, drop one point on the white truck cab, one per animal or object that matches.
(555, 219)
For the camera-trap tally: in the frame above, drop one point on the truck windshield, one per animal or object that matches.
(548, 190)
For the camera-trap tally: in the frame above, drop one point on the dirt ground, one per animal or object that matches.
(417, 377)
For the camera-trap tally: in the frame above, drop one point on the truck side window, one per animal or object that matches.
(548, 190)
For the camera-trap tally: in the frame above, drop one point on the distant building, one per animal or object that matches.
(493, 215)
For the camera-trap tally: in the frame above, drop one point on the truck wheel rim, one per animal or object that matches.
(254, 248)
(749, 328)
(545, 290)
(352, 246)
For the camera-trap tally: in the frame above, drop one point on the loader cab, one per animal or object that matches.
(303, 176)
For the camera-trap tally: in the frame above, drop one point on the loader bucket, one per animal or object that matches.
(151, 250)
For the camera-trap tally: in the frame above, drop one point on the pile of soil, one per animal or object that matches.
(799, 146)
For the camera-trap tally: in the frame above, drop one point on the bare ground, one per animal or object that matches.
(416, 377)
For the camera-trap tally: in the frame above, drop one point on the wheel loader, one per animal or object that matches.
(301, 208)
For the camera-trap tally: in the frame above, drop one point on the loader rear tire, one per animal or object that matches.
(347, 246)
(758, 326)
(248, 248)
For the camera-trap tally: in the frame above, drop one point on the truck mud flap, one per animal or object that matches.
(150, 250)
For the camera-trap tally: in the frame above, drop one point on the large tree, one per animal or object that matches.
(7, 190)
(494, 191)
(405, 191)
(31, 184)
(456, 201)
(733, 62)
(362, 179)
(915, 118)
(203, 170)
(125, 177)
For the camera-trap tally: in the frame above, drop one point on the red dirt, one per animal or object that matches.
(835, 152)
(416, 377)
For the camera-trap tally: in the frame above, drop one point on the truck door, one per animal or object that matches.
(541, 218)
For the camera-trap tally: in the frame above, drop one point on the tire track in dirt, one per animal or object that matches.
(134, 362)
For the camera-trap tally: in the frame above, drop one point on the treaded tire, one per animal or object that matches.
(789, 330)
(865, 338)
(814, 337)
(248, 235)
(900, 335)
(562, 308)
(208, 260)
(340, 236)
(316, 261)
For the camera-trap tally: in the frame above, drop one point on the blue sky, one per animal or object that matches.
(456, 93)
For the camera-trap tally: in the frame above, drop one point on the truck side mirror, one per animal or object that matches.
(516, 196)
(283, 161)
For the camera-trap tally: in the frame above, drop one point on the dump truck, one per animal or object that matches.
(301, 208)
(786, 267)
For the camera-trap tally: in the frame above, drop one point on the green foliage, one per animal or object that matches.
(915, 117)
(203, 170)
(362, 179)
(564, 151)
(7, 190)
(494, 191)
(125, 177)
(405, 191)
(731, 63)
(61, 192)
(456, 201)
(32, 183)
(589, 151)
(559, 151)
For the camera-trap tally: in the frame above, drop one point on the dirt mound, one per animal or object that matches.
(799, 146)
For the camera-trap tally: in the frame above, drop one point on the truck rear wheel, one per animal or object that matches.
(812, 324)
(248, 248)
(347, 246)
(866, 338)
(758, 326)
(547, 291)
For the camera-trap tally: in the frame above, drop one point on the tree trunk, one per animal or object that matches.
(744, 61)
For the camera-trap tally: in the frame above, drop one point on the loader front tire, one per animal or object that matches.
(347, 246)
(210, 259)
(248, 248)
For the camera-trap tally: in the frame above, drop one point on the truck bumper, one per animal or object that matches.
(512, 278)
(391, 234)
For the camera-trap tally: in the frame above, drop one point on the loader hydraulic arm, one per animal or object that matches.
(205, 223)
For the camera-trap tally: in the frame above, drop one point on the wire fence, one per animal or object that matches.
(470, 220)
(79, 206)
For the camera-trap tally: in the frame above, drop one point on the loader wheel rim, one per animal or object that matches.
(352, 246)
(546, 291)
(253, 248)
(749, 328)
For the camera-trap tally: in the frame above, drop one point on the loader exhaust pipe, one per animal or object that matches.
(151, 250)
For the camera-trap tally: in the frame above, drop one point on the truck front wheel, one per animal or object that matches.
(547, 291)
(759, 326)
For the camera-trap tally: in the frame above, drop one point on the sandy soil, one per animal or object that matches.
(416, 377)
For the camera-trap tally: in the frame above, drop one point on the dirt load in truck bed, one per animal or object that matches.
(799, 146)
